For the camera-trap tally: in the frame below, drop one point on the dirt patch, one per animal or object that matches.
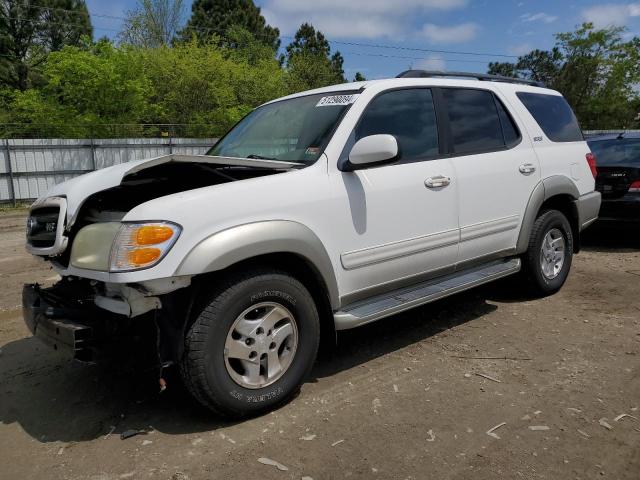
(401, 398)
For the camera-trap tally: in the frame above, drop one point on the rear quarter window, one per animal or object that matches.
(554, 115)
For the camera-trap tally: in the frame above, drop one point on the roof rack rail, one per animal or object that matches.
(478, 76)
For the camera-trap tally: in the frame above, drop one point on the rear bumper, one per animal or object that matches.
(623, 209)
(55, 325)
(588, 207)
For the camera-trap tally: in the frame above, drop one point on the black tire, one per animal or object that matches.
(203, 366)
(536, 281)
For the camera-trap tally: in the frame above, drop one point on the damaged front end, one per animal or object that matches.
(85, 320)
(114, 297)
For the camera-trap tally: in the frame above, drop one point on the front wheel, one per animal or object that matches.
(252, 345)
(547, 262)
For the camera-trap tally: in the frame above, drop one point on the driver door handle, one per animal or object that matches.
(437, 181)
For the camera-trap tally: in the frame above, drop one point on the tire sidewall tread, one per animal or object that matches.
(203, 368)
(537, 282)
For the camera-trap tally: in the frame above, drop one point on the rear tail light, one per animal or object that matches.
(635, 187)
(591, 160)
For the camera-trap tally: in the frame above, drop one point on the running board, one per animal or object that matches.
(390, 303)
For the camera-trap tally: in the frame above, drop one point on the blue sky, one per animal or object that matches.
(508, 27)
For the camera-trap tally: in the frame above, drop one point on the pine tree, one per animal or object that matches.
(215, 17)
(309, 60)
(29, 30)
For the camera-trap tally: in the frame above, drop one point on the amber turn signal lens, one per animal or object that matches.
(142, 256)
(153, 234)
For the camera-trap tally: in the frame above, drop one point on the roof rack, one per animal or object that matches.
(478, 76)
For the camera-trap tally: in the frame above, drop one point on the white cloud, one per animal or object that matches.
(432, 62)
(611, 14)
(354, 18)
(538, 17)
(450, 34)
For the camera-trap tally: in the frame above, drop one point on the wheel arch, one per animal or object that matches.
(557, 192)
(281, 244)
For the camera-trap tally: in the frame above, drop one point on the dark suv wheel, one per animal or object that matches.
(252, 345)
(547, 261)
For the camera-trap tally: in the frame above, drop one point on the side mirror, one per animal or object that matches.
(372, 150)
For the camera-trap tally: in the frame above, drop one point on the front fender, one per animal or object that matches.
(243, 242)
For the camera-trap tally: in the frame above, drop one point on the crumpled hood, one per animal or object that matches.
(78, 189)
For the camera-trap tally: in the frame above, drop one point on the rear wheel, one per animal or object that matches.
(252, 345)
(547, 262)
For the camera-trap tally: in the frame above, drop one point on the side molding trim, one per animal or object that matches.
(235, 244)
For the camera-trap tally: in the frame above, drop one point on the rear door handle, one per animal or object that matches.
(527, 168)
(437, 181)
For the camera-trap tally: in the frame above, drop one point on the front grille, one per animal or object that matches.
(41, 227)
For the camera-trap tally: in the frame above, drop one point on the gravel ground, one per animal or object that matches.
(401, 398)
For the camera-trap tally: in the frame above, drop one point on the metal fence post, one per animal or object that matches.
(93, 155)
(170, 146)
(12, 189)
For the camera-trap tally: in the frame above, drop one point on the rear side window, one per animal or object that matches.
(554, 115)
(408, 115)
(474, 121)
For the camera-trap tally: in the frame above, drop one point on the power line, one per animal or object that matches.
(337, 42)
(366, 54)
(416, 49)
(405, 57)
(69, 24)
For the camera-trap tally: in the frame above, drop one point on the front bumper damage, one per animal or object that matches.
(66, 317)
(57, 324)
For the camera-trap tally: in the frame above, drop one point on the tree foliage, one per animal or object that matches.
(153, 23)
(595, 69)
(29, 30)
(309, 61)
(206, 85)
(358, 77)
(209, 85)
(213, 18)
(87, 86)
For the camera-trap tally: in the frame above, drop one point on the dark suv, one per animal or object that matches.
(618, 179)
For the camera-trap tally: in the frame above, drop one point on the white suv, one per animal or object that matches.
(317, 212)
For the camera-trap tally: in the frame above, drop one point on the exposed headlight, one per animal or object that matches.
(141, 245)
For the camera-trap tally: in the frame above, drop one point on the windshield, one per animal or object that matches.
(294, 130)
(617, 152)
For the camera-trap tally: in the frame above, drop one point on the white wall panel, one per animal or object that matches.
(34, 160)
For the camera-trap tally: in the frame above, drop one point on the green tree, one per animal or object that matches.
(215, 17)
(152, 23)
(29, 30)
(504, 69)
(359, 77)
(309, 41)
(65, 22)
(209, 85)
(309, 61)
(84, 88)
(594, 69)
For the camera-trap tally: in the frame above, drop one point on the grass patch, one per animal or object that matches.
(19, 207)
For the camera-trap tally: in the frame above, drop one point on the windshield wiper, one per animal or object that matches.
(260, 157)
